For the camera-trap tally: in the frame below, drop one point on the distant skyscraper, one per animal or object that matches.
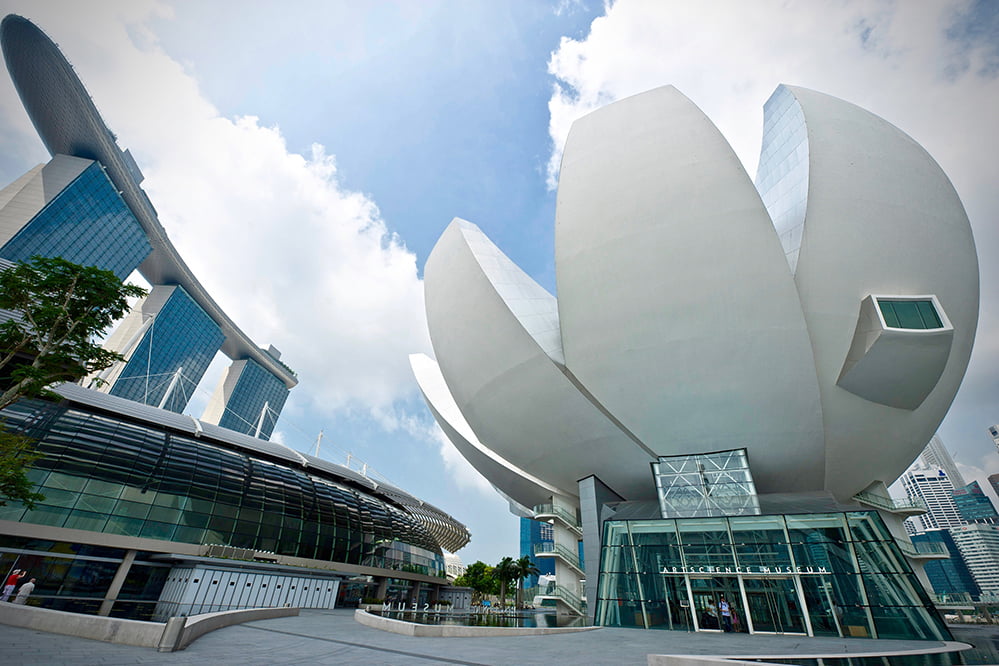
(994, 482)
(936, 456)
(979, 546)
(974, 505)
(935, 489)
(947, 576)
(994, 433)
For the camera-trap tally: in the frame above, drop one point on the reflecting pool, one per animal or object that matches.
(532, 619)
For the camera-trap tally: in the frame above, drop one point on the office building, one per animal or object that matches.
(994, 434)
(979, 546)
(933, 488)
(936, 456)
(994, 482)
(949, 577)
(974, 505)
(86, 205)
(770, 352)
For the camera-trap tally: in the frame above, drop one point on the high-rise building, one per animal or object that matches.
(69, 208)
(87, 205)
(950, 576)
(994, 433)
(168, 341)
(248, 399)
(934, 488)
(936, 456)
(979, 546)
(994, 482)
(974, 505)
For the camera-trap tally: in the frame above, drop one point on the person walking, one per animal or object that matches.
(726, 614)
(25, 592)
(12, 580)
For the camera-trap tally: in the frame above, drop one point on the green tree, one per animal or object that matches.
(478, 576)
(505, 573)
(525, 569)
(58, 308)
(16, 453)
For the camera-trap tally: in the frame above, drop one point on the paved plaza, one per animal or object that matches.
(333, 637)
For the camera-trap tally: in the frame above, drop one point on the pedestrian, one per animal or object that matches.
(711, 615)
(24, 592)
(12, 580)
(726, 614)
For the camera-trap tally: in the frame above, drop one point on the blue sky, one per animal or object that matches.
(305, 158)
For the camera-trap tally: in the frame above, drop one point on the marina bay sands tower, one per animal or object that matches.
(86, 205)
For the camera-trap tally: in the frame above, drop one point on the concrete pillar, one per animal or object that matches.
(414, 593)
(382, 587)
(116, 583)
(593, 495)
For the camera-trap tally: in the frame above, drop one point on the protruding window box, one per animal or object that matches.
(900, 349)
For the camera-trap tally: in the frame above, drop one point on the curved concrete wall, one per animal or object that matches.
(678, 310)
(881, 218)
(496, 367)
(176, 634)
(520, 486)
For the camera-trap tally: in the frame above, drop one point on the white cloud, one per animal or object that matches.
(728, 56)
(295, 259)
(460, 470)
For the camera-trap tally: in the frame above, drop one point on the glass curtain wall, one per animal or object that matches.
(76, 577)
(705, 484)
(837, 574)
(103, 474)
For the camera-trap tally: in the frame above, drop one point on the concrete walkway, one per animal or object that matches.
(333, 637)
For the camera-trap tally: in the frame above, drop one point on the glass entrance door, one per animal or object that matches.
(774, 605)
(706, 594)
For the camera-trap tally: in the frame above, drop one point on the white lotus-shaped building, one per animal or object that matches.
(697, 312)
(821, 319)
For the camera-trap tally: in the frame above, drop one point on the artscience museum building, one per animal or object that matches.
(732, 371)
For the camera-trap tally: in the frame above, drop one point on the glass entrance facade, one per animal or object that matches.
(833, 574)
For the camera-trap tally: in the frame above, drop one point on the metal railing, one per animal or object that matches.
(558, 591)
(559, 512)
(551, 548)
(923, 548)
(891, 503)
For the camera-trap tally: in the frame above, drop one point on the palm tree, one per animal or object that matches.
(505, 572)
(525, 569)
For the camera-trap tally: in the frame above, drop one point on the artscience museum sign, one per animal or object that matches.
(748, 570)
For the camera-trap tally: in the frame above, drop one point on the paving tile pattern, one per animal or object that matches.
(332, 637)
